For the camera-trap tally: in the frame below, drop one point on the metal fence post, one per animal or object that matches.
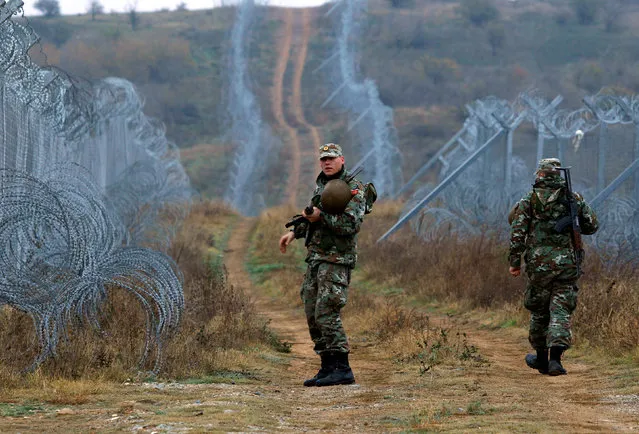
(540, 142)
(601, 157)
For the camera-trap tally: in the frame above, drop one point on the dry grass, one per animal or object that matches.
(606, 317)
(473, 274)
(447, 269)
(217, 319)
(220, 321)
(464, 275)
(279, 274)
(370, 316)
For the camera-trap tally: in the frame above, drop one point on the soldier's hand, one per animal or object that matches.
(286, 240)
(514, 271)
(312, 217)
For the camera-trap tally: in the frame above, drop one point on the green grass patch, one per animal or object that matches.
(275, 342)
(222, 377)
(393, 291)
(475, 408)
(508, 323)
(442, 413)
(259, 272)
(215, 257)
(260, 269)
(393, 420)
(274, 359)
(16, 410)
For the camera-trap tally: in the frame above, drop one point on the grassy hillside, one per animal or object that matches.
(428, 58)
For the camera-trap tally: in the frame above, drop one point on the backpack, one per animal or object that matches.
(370, 196)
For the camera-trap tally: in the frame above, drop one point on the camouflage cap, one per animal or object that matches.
(330, 150)
(548, 165)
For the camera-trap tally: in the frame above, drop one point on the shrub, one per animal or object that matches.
(56, 32)
(439, 70)
(496, 36)
(478, 12)
(402, 3)
(562, 18)
(49, 8)
(590, 77)
(95, 8)
(586, 11)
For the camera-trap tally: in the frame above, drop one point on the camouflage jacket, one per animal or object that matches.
(533, 234)
(334, 236)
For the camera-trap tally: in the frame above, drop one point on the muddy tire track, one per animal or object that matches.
(277, 106)
(303, 138)
(309, 151)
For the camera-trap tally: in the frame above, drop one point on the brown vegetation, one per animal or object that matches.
(217, 319)
(417, 368)
(375, 313)
(467, 275)
(473, 274)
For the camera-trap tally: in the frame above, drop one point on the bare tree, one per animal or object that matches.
(49, 8)
(134, 18)
(402, 3)
(95, 8)
(496, 36)
(586, 11)
(181, 7)
(613, 14)
(478, 12)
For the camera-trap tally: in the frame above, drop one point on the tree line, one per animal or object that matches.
(51, 8)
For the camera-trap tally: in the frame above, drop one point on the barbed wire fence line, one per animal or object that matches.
(84, 178)
(251, 136)
(370, 119)
(481, 173)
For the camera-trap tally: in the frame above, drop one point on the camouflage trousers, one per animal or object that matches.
(324, 293)
(551, 306)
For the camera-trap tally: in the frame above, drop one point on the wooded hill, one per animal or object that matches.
(428, 58)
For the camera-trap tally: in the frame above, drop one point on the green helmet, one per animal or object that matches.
(335, 196)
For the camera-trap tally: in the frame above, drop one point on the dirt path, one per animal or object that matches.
(290, 325)
(303, 139)
(297, 107)
(502, 395)
(311, 133)
(277, 106)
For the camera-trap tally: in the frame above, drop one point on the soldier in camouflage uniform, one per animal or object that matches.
(331, 256)
(551, 293)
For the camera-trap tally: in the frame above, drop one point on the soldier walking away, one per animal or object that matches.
(331, 241)
(546, 227)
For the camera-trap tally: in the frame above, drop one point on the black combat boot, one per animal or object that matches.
(341, 374)
(554, 365)
(328, 364)
(539, 361)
